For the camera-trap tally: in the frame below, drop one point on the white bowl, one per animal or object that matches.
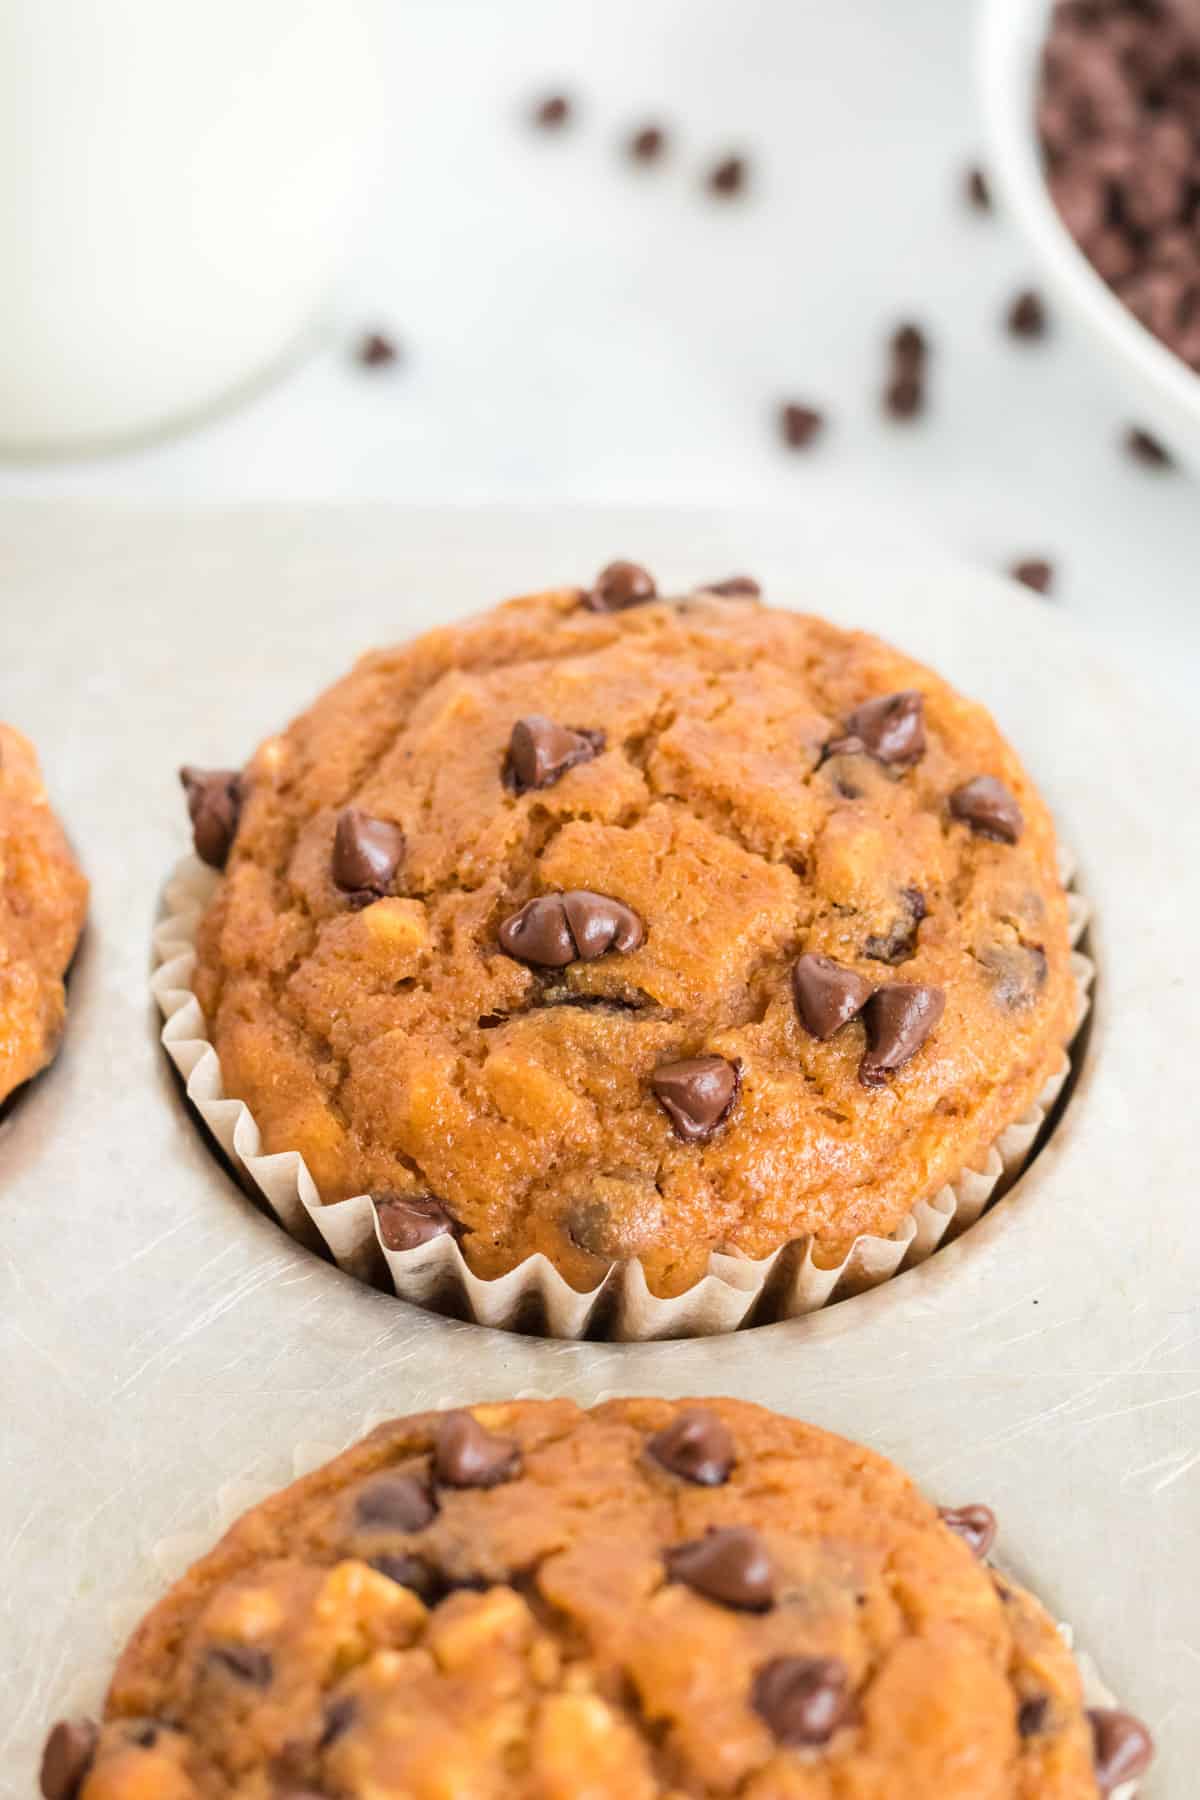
(1163, 394)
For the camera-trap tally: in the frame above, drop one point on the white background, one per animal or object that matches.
(581, 329)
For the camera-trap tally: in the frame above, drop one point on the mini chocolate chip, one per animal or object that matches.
(244, 1662)
(648, 143)
(799, 425)
(1122, 1748)
(376, 350)
(975, 1524)
(1031, 1715)
(552, 112)
(904, 395)
(827, 995)
(977, 190)
(733, 586)
(803, 1699)
(366, 853)
(619, 586)
(214, 803)
(697, 1446)
(411, 1572)
(598, 923)
(989, 808)
(408, 1220)
(339, 1716)
(394, 1503)
(1027, 315)
(69, 1752)
(728, 177)
(909, 347)
(890, 728)
(696, 1094)
(1034, 572)
(1146, 449)
(901, 940)
(467, 1455)
(729, 1565)
(540, 752)
(898, 1018)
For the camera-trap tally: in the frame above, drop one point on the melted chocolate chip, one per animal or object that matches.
(467, 1455)
(619, 586)
(729, 1565)
(890, 728)
(803, 1699)
(898, 1019)
(339, 1716)
(598, 923)
(408, 1220)
(800, 426)
(366, 853)
(731, 587)
(827, 995)
(975, 1524)
(576, 926)
(989, 808)
(1017, 973)
(1031, 1715)
(244, 1662)
(1122, 1748)
(901, 941)
(69, 1752)
(696, 1094)
(394, 1503)
(411, 1572)
(214, 803)
(697, 1446)
(540, 752)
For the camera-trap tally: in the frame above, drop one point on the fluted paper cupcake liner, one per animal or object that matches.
(734, 1292)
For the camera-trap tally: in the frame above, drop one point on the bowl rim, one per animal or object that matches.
(1009, 37)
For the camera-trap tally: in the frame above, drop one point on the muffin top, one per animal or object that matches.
(650, 1598)
(43, 899)
(649, 932)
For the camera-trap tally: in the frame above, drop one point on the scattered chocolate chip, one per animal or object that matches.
(1026, 317)
(366, 853)
(553, 111)
(900, 942)
(68, 1755)
(904, 395)
(909, 348)
(598, 923)
(1146, 449)
(1034, 572)
(618, 586)
(697, 1446)
(728, 177)
(1122, 1748)
(467, 1455)
(407, 1221)
(1017, 973)
(394, 1503)
(977, 190)
(799, 425)
(733, 586)
(411, 1572)
(1031, 1715)
(540, 752)
(339, 1716)
(648, 143)
(827, 995)
(802, 1699)
(989, 808)
(975, 1524)
(697, 1094)
(575, 926)
(898, 1018)
(729, 1565)
(376, 350)
(244, 1662)
(890, 728)
(214, 803)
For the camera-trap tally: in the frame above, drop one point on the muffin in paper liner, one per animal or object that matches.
(736, 1292)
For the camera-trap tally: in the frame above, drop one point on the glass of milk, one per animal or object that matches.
(177, 180)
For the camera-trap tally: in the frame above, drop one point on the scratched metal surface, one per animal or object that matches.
(158, 1337)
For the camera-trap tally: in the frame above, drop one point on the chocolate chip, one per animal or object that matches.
(802, 1699)
(411, 1572)
(407, 1221)
(977, 190)
(900, 942)
(728, 177)
(1146, 449)
(975, 1524)
(552, 112)
(394, 1503)
(540, 752)
(1031, 1715)
(909, 348)
(214, 803)
(1122, 1748)
(697, 1094)
(244, 1663)
(366, 853)
(697, 1446)
(1026, 316)
(145, 1733)
(729, 1565)
(904, 395)
(827, 994)
(467, 1455)
(898, 1019)
(1034, 572)
(69, 1752)
(890, 728)
(989, 808)
(648, 143)
(1017, 972)
(376, 351)
(733, 587)
(618, 586)
(339, 1716)
(575, 926)
(800, 425)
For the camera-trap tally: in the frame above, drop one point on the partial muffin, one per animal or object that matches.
(652, 1598)
(610, 927)
(43, 901)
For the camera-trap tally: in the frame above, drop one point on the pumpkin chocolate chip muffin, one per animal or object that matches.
(43, 900)
(610, 927)
(652, 1598)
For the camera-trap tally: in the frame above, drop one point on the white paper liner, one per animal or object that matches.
(788, 1283)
